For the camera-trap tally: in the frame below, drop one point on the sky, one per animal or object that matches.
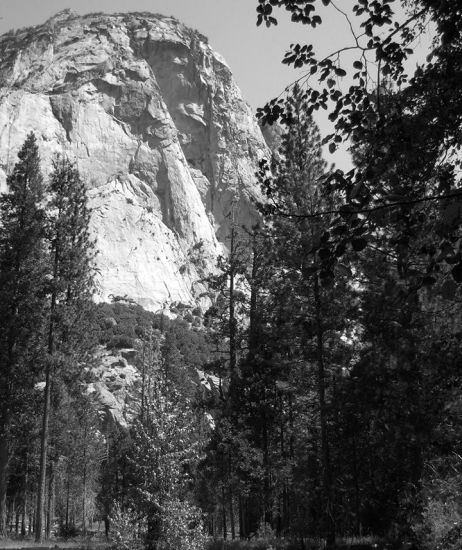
(253, 53)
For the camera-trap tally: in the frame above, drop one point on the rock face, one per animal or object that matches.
(116, 388)
(159, 131)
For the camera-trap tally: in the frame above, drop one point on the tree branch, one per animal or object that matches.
(371, 209)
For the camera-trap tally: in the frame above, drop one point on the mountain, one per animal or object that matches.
(159, 131)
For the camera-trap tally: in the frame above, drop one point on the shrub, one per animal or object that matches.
(438, 524)
(126, 530)
(67, 532)
(265, 532)
(182, 527)
(120, 341)
(254, 544)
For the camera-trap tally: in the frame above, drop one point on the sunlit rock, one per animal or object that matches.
(159, 131)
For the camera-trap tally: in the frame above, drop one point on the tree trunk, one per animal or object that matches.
(231, 516)
(267, 511)
(16, 522)
(232, 314)
(253, 331)
(223, 512)
(143, 382)
(325, 451)
(24, 515)
(357, 491)
(241, 519)
(68, 492)
(25, 495)
(46, 407)
(84, 490)
(50, 509)
(4, 462)
(43, 457)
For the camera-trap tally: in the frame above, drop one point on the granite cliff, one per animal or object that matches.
(159, 131)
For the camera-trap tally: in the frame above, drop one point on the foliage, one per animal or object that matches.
(403, 126)
(23, 264)
(46, 275)
(124, 325)
(182, 527)
(22, 272)
(69, 291)
(266, 532)
(126, 529)
(162, 455)
(394, 232)
(78, 448)
(437, 522)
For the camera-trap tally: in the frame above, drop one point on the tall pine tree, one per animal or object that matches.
(306, 310)
(22, 269)
(71, 287)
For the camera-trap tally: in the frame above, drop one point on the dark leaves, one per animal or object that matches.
(448, 289)
(358, 244)
(428, 280)
(457, 273)
(324, 253)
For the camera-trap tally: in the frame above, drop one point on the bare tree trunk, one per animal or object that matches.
(43, 457)
(24, 515)
(4, 462)
(67, 500)
(281, 499)
(143, 382)
(5, 450)
(253, 332)
(84, 490)
(25, 495)
(46, 406)
(9, 516)
(267, 512)
(16, 522)
(223, 511)
(241, 519)
(231, 516)
(326, 465)
(50, 510)
(232, 314)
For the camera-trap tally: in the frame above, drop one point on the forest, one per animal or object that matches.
(316, 402)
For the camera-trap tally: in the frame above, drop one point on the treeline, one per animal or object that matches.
(46, 285)
(66, 461)
(331, 380)
(340, 414)
(314, 400)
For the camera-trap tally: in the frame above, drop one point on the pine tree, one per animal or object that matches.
(304, 299)
(71, 287)
(22, 270)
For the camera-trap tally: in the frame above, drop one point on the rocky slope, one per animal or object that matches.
(158, 129)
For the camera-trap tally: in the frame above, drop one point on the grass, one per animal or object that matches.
(344, 543)
(7, 544)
